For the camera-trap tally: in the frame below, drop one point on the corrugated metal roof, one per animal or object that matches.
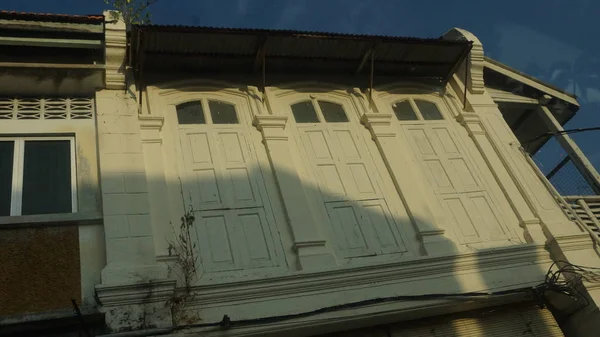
(47, 17)
(211, 49)
(283, 32)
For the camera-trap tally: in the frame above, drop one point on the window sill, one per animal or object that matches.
(64, 219)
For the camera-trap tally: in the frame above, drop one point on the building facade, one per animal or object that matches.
(252, 182)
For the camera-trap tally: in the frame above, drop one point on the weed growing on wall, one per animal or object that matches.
(182, 249)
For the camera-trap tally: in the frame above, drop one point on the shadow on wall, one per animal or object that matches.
(242, 232)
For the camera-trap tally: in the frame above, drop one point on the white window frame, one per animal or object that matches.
(208, 120)
(413, 104)
(16, 198)
(320, 116)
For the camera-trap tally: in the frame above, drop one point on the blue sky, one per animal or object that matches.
(554, 40)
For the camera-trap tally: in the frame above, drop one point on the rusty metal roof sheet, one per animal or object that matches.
(47, 17)
(211, 49)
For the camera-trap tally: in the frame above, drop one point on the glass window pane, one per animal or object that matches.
(190, 113)
(6, 172)
(47, 177)
(304, 112)
(222, 113)
(404, 111)
(332, 112)
(429, 110)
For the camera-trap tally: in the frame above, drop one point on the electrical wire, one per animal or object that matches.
(567, 279)
(562, 132)
(226, 322)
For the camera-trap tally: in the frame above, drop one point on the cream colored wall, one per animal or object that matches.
(141, 168)
(302, 231)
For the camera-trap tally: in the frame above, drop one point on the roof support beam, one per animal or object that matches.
(261, 53)
(371, 75)
(582, 163)
(365, 58)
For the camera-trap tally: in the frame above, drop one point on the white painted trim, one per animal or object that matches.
(505, 96)
(502, 69)
(18, 162)
(209, 294)
(74, 203)
(17, 182)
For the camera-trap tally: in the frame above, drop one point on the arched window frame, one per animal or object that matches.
(384, 97)
(420, 117)
(321, 118)
(208, 112)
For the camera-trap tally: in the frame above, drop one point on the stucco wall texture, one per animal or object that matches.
(39, 269)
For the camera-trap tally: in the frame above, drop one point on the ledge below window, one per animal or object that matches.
(38, 220)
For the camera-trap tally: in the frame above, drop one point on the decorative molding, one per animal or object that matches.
(379, 124)
(151, 122)
(272, 127)
(371, 315)
(46, 108)
(475, 59)
(376, 119)
(472, 122)
(360, 276)
(135, 293)
(150, 127)
(580, 241)
(313, 243)
(431, 232)
(116, 48)
(269, 121)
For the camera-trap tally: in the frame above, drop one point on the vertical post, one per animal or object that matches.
(579, 159)
(372, 73)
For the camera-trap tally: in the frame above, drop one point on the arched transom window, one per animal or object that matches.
(206, 112)
(416, 109)
(318, 111)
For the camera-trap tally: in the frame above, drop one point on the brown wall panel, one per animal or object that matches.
(39, 269)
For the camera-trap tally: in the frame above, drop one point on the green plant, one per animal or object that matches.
(132, 11)
(182, 249)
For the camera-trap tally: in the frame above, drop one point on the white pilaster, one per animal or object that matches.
(429, 227)
(158, 193)
(311, 247)
(134, 288)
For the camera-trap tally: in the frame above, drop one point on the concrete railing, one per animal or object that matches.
(586, 210)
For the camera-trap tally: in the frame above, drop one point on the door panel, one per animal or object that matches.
(220, 162)
(341, 162)
(349, 185)
(235, 239)
(452, 177)
(216, 233)
(364, 228)
(205, 187)
(222, 179)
